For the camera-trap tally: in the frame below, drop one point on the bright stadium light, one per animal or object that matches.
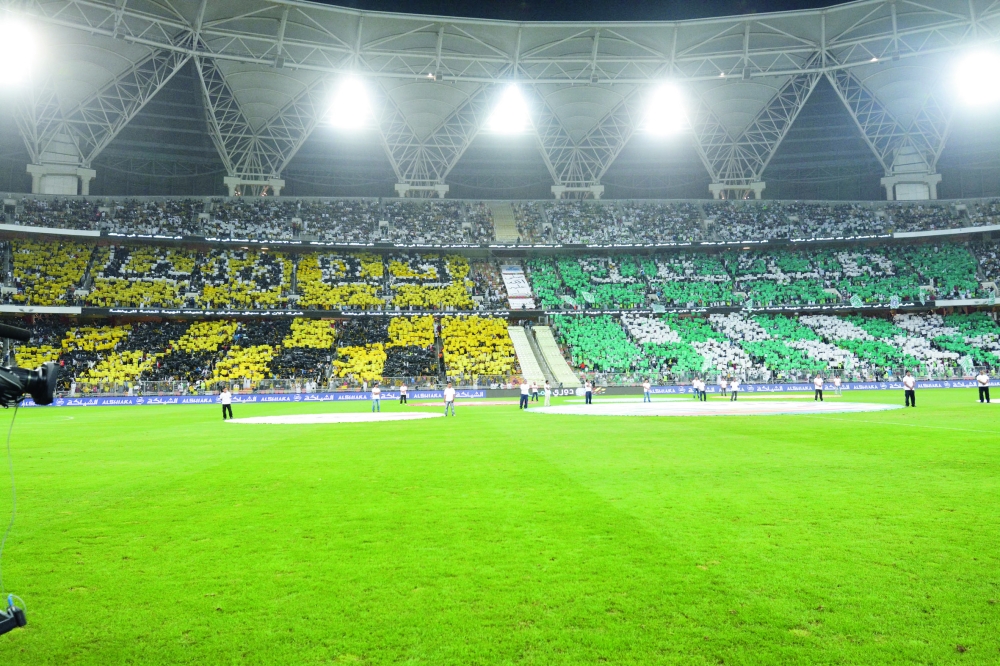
(350, 108)
(511, 114)
(666, 114)
(18, 52)
(977, 78)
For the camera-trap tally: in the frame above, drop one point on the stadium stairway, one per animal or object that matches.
(504, 224)
(531, 369)
(529, 334)
(561, 371)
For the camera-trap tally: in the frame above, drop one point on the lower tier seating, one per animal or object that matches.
(263, 352)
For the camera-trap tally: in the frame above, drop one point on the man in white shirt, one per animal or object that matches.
(449, 399)
(534, 392)
(696, 387)
(818, 385)
(525, 391)
(722, 385)
(836, 384)
(376, 398)
(226, 398)
(402, 394)
(983, 381)
(909, 384)
(734, 388)
(548, 394)
(645, 390)
(588, 392)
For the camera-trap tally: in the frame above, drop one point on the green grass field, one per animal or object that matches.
(161, 535)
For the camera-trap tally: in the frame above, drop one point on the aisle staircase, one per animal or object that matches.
(504, 222)
(538, 355)
(561, 372)
(530, 368)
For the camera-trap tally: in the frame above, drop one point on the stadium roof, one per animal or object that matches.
(267, 70)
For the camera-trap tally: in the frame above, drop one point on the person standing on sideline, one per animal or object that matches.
(449, 399)
(534, 392)
(588, 392)
(983, 381)
(696, 389)
(226, 398)
(722, 385)
(734, 388)
(818, 385)
(376, 398)
(402, 394)
(548, 394)
(645, 390)
(704, 390)
(525, 389)
(909, 384)
(836, 385)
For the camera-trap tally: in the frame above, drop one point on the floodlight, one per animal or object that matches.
(350, 108)
(18, 52)
(666, 112)
(977, 78)
(511, 114)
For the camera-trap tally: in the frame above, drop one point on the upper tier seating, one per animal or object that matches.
(413, 221)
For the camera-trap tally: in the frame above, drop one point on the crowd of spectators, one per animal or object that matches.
(738, 221)
(488, 286)
(911, 273)
(429, 221)
(69, 213)
(833, 220)
(925, 216)
(167, 217)
(530, 222)
(765, 348)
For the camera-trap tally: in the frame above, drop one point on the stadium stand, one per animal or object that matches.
(140, 276)
(669, 347)
(779, 277)
(458, 222)
(437, 222)
(530, 221)
(47, 273)
(776, 347)
(475, 347)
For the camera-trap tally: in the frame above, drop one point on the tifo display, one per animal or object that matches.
(843, 296)
(72, 273)
(666, 348)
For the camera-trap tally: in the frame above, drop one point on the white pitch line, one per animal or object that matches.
(334, 417)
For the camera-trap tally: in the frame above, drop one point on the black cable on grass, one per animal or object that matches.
(13, 498)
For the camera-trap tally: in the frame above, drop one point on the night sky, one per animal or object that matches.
(582, 10)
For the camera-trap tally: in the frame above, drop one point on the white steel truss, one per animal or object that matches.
(427, 162)
(737, 161)
(924, 137)
(581, 164)
(95, 122)
(311, 36)
(263, 153)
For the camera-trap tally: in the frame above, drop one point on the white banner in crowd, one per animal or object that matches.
(518, 288)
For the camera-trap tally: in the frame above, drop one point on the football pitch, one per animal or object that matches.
(161, 535)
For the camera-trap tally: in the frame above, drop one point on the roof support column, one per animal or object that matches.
(65, 179)
(719, 190)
